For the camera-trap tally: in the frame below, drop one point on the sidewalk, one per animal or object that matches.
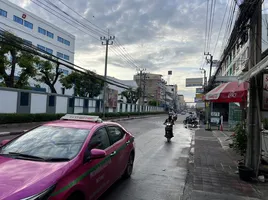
(213, 172)
(15, 129)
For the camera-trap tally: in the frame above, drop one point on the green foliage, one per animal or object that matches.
(131, 95)
(265, 123)
(48, 73)
(153, 103)
(11, 47)
(85, 85)
(42, 117)
(239, 139)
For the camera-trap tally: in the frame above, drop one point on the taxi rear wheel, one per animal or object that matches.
(129, 168)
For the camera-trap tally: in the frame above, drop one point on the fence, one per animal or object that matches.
(28, 101)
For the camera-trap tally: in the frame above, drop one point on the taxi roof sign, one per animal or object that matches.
(89, 118)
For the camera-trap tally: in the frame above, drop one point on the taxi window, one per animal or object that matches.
(115, 133)
(99, 140)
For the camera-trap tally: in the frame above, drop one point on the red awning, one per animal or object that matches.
(228, 92)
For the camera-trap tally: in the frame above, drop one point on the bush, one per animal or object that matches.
(43, 117)
(239, 139)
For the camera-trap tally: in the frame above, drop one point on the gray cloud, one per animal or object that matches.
(160, 35)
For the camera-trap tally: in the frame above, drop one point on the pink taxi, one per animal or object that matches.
(76, 158)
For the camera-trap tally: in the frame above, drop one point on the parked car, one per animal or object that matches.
(77, 157)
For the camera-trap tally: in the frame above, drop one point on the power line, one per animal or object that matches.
(206, 27)
(35, 50)
(213, 5)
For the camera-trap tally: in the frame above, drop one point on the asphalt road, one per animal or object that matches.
(160, 168)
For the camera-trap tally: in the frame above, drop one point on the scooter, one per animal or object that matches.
(191, 121)
(169, 131)
(175, 118)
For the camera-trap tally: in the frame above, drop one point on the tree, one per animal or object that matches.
(85, 85)
(131, 95)
(48, 73)
(12, 59)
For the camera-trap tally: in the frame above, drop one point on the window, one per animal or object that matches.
(42, 31)
(3, 13)
(40, 47)
(67, 42)
(60, 55)
(28, 24)
(49, 34)
(27, 42)
(115, 133)
(60, 39)
(50, 51)
(66, 57)
(64, 71)
(99, 140)
(51, 101)
(18, 19)
(24, 99)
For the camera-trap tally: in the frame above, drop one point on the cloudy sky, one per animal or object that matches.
(158, 35)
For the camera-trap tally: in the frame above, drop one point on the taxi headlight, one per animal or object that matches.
(43, 195)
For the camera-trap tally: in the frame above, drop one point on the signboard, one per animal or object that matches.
(215, 117)
(199, 90)
(196, 100)
(198, 97)
(111, 98)
(194, 82)
(169, 72)
(265, 92)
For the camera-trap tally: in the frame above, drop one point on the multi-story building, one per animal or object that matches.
(38, 32)
(153, 87)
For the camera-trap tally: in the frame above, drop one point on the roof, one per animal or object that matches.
(130, 83)
(73, 124)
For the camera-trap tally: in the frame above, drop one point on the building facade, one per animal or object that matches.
(153, 87)
(40, 33)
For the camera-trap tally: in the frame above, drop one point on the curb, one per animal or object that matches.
(112, 120)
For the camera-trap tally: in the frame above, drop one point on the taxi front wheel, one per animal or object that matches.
(129, 168)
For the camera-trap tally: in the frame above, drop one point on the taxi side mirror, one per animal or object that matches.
(97, 153)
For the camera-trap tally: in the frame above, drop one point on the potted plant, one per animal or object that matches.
(239, 144)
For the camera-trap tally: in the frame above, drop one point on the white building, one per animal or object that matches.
(40, 33)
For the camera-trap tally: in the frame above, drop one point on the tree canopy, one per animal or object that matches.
(85, 85)
(15, 61)
(132, 95)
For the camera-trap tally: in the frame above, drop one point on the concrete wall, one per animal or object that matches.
(28, 101)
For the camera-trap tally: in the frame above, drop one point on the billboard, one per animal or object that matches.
(111, 98)
(199, 90)
(169, 72)
(198, 98)
(194, 82)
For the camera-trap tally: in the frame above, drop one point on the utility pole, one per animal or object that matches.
(144, 85)
(253, 125)
(105, 41)
(210, 103)
(140, 91)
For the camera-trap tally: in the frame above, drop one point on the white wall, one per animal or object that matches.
(61, 104)
(38, 103)
(8, 101)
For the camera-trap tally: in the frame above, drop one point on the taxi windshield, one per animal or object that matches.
(48, 143)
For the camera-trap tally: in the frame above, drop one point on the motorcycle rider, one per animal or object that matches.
(170, 120)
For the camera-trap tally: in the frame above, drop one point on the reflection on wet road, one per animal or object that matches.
(160, 167)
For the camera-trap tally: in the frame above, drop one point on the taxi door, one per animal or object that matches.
(98, 179)
(118, 142)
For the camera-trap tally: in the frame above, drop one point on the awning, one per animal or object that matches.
(228, 92)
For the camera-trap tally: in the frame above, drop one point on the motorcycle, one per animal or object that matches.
(169, 131)
(175, 117)
(191, 121)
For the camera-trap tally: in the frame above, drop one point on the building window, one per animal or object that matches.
(60, 55)
(3, 13)
(17, 19)
(27, 42)
(66, 57)
(60, 39)
(40, 47)
(50, 51)
(42, 31)
(28, 24)
(64, 71)
(49, 34)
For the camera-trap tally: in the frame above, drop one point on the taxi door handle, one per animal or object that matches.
(128, 142)
(112, 154)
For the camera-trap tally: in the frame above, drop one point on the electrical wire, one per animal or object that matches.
(36, 51)
(206, 28)
(213, 5)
